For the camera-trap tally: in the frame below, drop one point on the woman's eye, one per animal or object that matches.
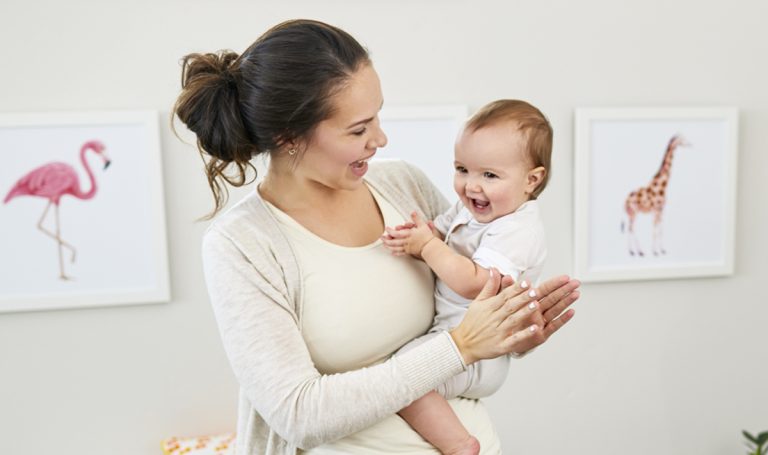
(489, 175)
(359, 132)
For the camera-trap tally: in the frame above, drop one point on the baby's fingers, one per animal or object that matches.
(395, 246)
(397, 234)
(417, 221)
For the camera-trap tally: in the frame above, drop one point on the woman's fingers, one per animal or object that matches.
(507, 281)
(555, 324)
(517, 319)
(525, 316)
(491, 286)
(517, 295)
(532, 322)
(557, 299)
(524, 340)
(477, 335)
(558, 308)
(552, 285)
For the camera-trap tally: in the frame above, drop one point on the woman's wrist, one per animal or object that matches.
(461, 344)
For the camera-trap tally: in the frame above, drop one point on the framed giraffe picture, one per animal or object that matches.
(655, 192)
(82, 212)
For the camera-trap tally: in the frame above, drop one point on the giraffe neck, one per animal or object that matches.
(666, 163)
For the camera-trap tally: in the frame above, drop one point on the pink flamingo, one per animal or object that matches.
(52, 181)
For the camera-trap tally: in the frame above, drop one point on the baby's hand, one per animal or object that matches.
(408, 238)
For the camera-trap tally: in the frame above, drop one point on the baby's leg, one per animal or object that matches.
(433, 418)
(485, 377)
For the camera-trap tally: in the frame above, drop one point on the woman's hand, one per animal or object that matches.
(515, 319)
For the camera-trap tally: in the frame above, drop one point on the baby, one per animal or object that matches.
(502, 162)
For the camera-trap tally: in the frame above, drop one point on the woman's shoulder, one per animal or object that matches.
(248, 224)
(249, 232)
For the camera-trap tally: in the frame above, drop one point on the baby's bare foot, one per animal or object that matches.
(470, 446)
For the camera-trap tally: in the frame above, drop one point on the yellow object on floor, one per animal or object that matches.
(223, 444)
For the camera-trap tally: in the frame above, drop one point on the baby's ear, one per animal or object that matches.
(534, 178)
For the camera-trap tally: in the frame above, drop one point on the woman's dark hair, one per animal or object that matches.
(276, 92)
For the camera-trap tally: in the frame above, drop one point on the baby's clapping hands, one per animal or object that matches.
(409, 238)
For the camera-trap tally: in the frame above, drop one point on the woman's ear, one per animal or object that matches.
(534, 178)
(289, 147)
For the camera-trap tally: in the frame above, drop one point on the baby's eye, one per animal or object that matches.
(461, 169)
(489, 175)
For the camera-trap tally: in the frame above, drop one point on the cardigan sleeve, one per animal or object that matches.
(272, 363)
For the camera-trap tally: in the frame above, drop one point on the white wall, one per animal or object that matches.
(663, 367)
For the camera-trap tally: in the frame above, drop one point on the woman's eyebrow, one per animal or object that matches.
(360, 122)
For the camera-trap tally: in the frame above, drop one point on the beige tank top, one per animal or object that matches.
(361, 304)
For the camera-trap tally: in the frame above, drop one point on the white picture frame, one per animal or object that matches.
(424, 135)
(111, 245)
(681, 228)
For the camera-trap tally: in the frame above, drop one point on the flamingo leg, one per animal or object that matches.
(61, 242)
(56, 235)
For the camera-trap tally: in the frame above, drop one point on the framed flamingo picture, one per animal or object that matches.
(81, 210)
(655, 192)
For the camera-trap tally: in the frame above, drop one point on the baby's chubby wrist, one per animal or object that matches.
(425, 244)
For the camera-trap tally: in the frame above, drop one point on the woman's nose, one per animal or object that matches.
(379, 139)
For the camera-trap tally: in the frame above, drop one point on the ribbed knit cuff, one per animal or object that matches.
(430, 364)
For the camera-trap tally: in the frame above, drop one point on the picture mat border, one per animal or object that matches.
(582, 165)
(162, 292)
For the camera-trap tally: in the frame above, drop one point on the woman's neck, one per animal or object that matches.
(349, 218)
(291, 193)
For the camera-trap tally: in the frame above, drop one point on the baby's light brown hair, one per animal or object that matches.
(530, 122)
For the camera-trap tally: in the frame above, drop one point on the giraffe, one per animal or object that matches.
(651, 199)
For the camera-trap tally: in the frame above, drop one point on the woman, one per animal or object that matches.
(309, 303)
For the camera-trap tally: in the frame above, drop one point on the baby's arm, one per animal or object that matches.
(459, 272)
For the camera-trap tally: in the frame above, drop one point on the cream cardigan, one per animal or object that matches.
(254, 284)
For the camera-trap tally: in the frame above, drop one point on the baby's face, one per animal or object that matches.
(492, 170)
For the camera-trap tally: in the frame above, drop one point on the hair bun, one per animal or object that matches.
(209, 106)
(208, 66)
